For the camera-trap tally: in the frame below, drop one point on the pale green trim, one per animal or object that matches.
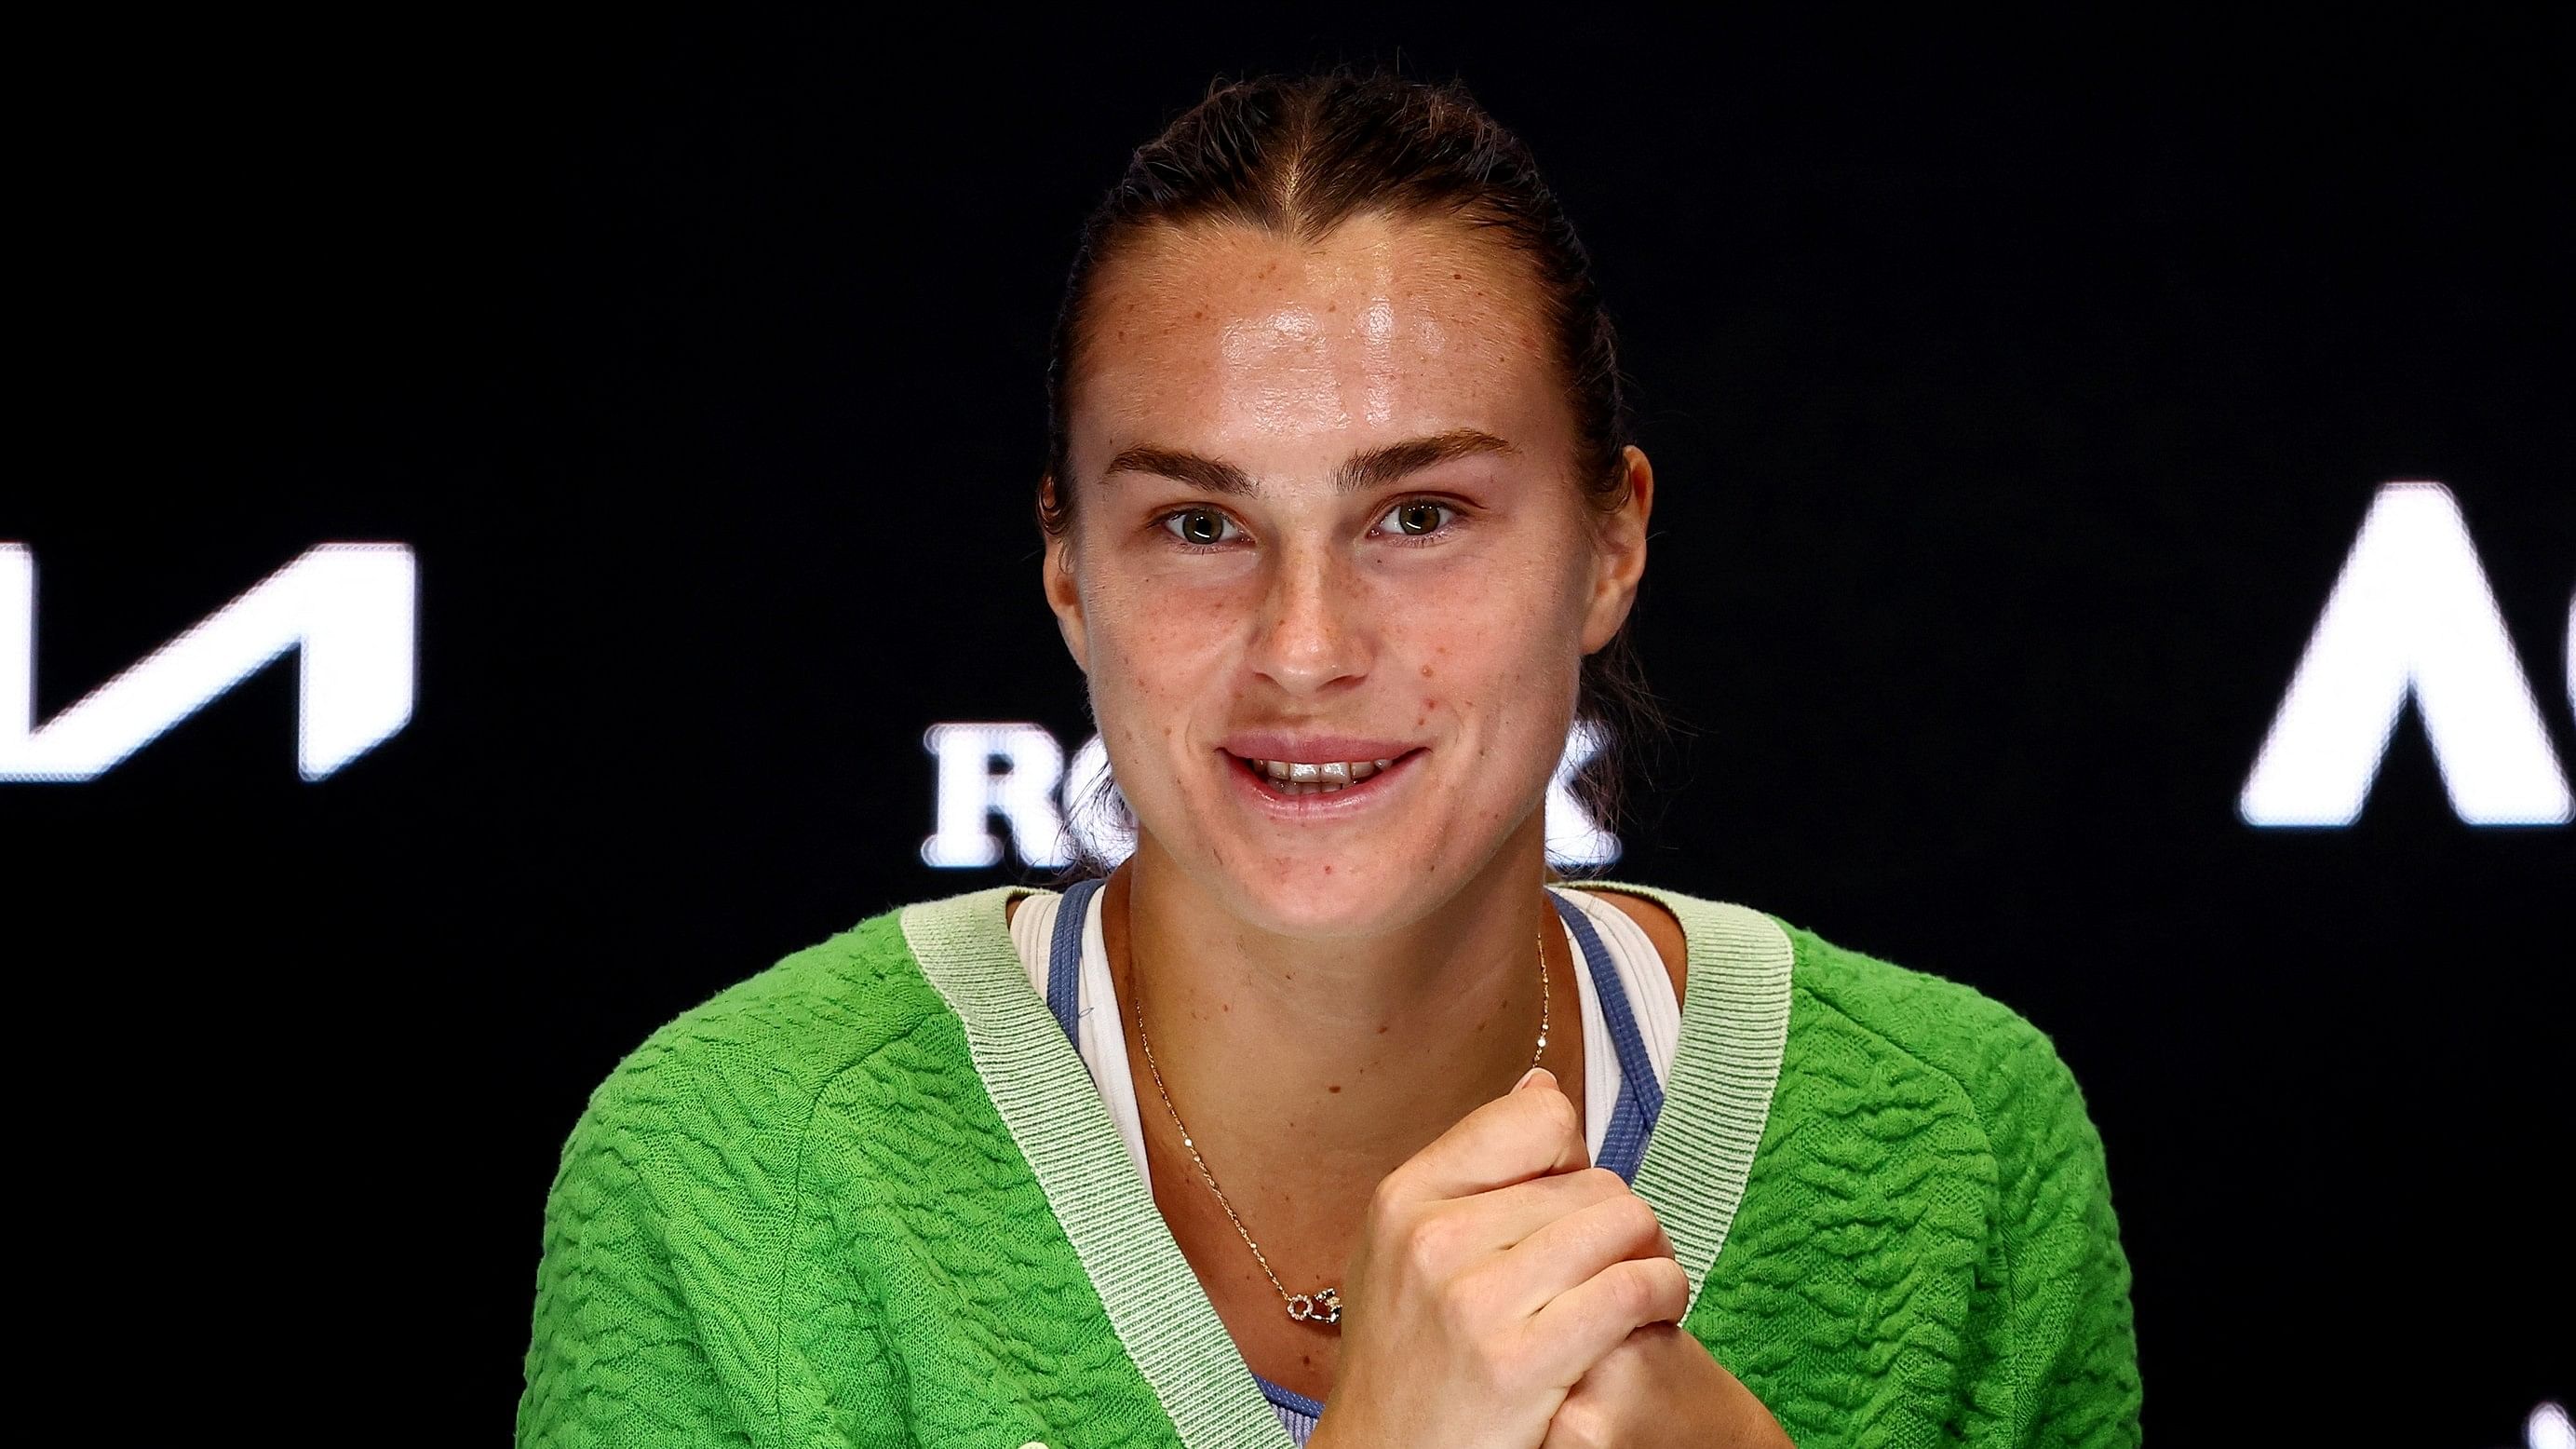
(1735, 1028)
(1053, 1111)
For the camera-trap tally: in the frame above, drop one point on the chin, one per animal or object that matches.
(1366, 887)
(1310, 908)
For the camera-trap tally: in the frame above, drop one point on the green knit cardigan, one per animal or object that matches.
(870, 1196)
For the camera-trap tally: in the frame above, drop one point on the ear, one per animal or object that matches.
(1619, 552)
(1055, 576)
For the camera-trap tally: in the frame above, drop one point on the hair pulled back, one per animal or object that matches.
(1297, 156)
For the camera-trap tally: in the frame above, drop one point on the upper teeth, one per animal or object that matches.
(1327, 776)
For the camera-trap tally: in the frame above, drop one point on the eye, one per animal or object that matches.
(1417, 517)
(1200, 527)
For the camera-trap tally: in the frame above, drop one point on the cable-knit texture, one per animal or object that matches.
(1926, 1252)
(793, 1217)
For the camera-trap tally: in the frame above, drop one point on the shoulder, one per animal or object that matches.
(1985, 1102)
(1859, 1019)
(1654, 917)
(756, 1056)
(2001, 1067)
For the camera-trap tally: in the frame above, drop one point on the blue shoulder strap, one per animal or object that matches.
(1064, 957)
(1641, 1097)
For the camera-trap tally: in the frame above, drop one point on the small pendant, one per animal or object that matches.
(1323, 1306)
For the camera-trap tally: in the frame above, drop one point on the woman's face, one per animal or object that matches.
(1324, 516)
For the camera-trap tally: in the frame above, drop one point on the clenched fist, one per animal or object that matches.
(1495, 1270)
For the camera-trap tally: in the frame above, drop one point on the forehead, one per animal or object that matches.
(1227, 337)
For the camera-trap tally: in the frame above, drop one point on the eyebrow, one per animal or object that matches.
(1360, 472)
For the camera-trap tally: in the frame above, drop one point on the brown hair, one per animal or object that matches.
(1296, 156)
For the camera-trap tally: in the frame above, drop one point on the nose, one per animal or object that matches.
(1313, 631)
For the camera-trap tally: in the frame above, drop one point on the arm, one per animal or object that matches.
(655, 1318)
(2074, 1356)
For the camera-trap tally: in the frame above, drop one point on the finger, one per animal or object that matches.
(1525, 1133)
(1564, 1254)
(1591, 1415)
(1490, 1222)
(1581, 1325)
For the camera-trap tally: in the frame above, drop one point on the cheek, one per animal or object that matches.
(1159, 644)
(1498, 647)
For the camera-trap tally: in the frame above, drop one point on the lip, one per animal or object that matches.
(1312, 749)
(1349, 799)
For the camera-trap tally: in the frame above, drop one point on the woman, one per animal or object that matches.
(1343, 527)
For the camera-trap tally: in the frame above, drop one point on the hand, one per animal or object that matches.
(1660, 1387)
(1495, 1269)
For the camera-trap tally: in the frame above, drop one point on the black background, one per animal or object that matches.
(2016, 390)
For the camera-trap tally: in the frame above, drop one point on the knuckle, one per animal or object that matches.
(1600, 1183)
(1388, 1197)
(1624, 1290)
(1633, 1217)
(1632, 1288)
(1430, 1240)
(1672, 1288)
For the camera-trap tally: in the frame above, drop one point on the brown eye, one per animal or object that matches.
(1418, 517)
(1200, 526)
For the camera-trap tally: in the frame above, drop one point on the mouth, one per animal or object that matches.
(1313, 777)
(1284, 780)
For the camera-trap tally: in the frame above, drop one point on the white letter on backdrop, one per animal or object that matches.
(2411, 616)
(970, 791)
(346, 608)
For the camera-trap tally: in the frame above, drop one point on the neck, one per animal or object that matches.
(1342, 1056)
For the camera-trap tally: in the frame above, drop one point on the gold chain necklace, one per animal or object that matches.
(1324, 1305)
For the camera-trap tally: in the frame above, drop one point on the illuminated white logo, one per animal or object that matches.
(1015, 774)
(346, 608)
(1005, 772)
(2548, 1428)
(2410, 617)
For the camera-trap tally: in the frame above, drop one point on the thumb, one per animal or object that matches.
(1535, 1076)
